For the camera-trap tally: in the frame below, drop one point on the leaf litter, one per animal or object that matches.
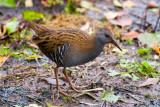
(30, 75)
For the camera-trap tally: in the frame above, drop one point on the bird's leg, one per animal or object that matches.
(57, 83)
(70, 82)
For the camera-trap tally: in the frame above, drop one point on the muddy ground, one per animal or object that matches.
(26, 82)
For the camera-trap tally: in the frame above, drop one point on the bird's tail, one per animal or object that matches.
(37, 29)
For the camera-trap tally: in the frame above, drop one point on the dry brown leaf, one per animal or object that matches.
(149, 81)
(129, 4)
(3, 59)
(122, 21)
(152, 4)
(130, 35)
(156, 48)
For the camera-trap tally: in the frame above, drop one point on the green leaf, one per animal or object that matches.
(45, 65)
(12, 25)
(8, 3)
(112, 73)
(126, 74)
(109, 97)
(154, 10)
(149, 39)
(134, 77)
(32, 15)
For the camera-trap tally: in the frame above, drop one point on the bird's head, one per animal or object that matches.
(105, 35)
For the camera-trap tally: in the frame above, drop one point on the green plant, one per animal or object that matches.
(147, 69)
(144, 51)
(71, 7)
(5, 51)
(143, 68)
(129, 41)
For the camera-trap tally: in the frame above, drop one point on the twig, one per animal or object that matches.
(22, 74)
(157, 22)
(103, 103)
(133, 97)
(96, 89)
(140, 17)
(132, 102)
(145, 17)
(86, 94)
(9, 101)
(34, 99)
(19, 1)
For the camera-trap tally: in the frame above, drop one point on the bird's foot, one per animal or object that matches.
(63, 93)
(60, 91)
(74, 88)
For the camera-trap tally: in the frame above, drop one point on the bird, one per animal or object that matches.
(70, 47)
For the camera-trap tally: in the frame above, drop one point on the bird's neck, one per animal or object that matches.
(98, 45)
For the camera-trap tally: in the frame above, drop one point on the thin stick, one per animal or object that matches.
(9, 101)
(157, 22)
(35, 100)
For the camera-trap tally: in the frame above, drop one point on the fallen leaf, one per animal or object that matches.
(156, 57)
(43, 2)
(156, 48)
(28, 3)
(149, 81)
(130, 35)
(88, 5)
(129, 4)
(152, 4)
(112, 72)
(117, 3)
(2, 60)
(12, 25)
(109, 97)
(53, 81)
(149, 39)
(111, 15)
(122, 21)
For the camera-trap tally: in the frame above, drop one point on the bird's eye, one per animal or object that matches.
(111, 40)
